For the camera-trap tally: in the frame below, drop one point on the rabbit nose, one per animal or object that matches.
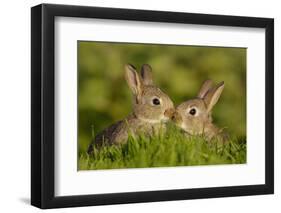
(176, 117)
(169, 112)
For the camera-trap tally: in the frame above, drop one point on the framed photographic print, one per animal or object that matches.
(139, 106)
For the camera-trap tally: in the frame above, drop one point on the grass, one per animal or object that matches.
(166, 150)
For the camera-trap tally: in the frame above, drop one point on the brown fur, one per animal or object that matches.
(201, 122)
(146, 118)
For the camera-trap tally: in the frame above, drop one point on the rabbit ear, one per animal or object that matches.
(206, 86)
(133, 79)
(213, 95)
(146, 74)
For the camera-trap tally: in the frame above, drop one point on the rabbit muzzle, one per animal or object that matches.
(169, 113)
(176, 118)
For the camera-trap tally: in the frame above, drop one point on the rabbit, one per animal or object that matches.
(194, 116)
(152, 108)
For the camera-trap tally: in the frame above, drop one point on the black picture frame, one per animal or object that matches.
(43, 102)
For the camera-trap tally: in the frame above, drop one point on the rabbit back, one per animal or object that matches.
(119, 132)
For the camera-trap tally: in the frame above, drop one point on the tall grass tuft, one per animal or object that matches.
(165, 150)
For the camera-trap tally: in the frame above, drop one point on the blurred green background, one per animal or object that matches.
(104, 96)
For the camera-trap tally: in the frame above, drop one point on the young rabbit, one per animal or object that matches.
(151, 108)
(194, 116)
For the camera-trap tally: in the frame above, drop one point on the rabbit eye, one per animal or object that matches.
(192, 111)
(156, 101)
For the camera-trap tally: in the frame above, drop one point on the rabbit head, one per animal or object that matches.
(194, 116)
(150, 104)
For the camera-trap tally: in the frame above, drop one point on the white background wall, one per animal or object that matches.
(15, 105)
